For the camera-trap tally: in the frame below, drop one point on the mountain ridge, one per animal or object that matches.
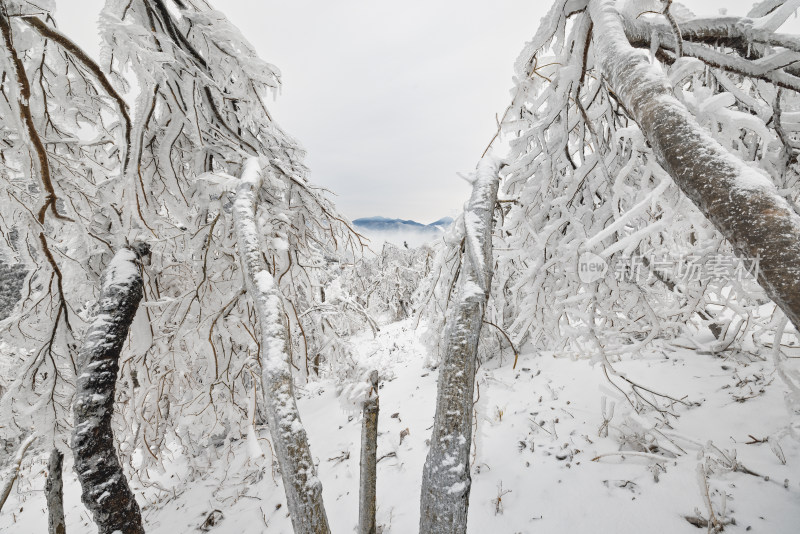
(379, 222)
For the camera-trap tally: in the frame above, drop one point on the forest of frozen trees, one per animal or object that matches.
(194, 337)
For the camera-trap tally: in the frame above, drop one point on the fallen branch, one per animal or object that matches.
(649, 456)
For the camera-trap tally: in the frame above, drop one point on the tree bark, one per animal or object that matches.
(741, 203)
(303, 488)
(106, 493)
(446, 478)
(369, 460)
(54, 493)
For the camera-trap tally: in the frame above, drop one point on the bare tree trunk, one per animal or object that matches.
(54, 493)
(303, 488)
(105, 491)
(13, 471)
(369, 460)
(741, 203)
(446, 478)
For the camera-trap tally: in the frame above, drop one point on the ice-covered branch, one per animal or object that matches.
(23, 108)
(769, 68)
(49, 32)
(741, 202)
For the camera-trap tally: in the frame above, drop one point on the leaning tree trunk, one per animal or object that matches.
(446, 478)
(13, 471)
(105, 491)
(369, 462)
(54, 493)
(303, 488)
(741, 203)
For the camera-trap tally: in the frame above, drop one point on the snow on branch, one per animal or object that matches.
(742, 203)
(585, 176)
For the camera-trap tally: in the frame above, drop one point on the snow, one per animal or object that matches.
(122, 269)
(458, 487)
(253, 446)
(251, 172)
(264, 281)
(280, 244)
(354, 395)
(538, 430)
(471, 289)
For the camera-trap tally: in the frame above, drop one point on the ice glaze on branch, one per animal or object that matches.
(105, 491)
(781, 69)
(13, 470)
(741, 203)
(49, 32)
(24, 109)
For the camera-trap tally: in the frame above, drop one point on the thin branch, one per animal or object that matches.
(49, 32)
(23, 104)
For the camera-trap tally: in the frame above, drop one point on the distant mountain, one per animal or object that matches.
(400, 231)
(443, 223)
(383, 224)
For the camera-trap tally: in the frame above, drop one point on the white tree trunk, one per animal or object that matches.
(303, 488)
(741, 203)
(105, 491)
(446, 478)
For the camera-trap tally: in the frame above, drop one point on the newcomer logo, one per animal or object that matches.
(591, 267)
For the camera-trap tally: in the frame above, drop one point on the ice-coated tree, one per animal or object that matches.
(650, 153)
(675, 167)
(368, 463)
(385, 284)
(59, 141)
(303, 488)
(147, 145)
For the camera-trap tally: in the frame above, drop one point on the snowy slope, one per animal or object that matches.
(536, 434)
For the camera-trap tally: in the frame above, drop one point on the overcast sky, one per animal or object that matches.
(391, 99)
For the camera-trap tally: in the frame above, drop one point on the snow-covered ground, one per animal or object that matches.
(537, 431)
